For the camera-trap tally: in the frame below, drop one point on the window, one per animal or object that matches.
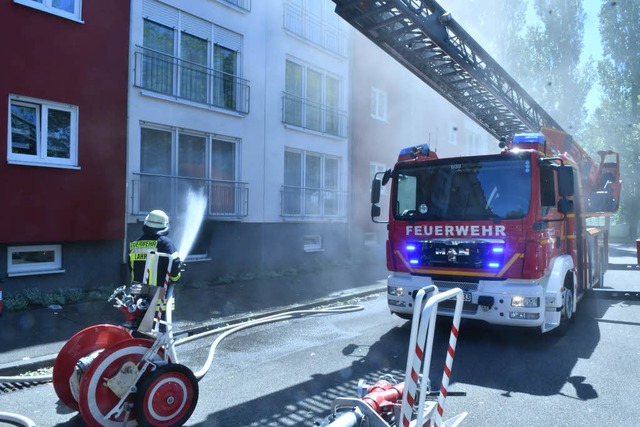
(173, 161)
(189, 58)
(317, 23)
(378, 104)
(27, 260)
(312, 185)
(453, 134)
(71, 9)
(312, 100)
(312, 243)
(43, 132)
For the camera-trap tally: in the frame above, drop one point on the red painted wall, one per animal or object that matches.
(85, 64)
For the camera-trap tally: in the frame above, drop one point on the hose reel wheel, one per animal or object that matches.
(109, 378)
(166, 397)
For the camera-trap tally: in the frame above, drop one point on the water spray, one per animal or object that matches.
(190, 221)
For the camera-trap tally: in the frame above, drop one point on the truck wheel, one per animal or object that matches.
(166, 397)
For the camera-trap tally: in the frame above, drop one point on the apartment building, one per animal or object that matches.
(392, 109)
(244, 104)
(64, 86)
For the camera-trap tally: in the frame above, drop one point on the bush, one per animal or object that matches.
(34, 296)
(16, 302)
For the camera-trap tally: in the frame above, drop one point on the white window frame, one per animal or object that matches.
(378, 104)
(312, 243)
(47, 6)
(453, 134)
(33, 268)
(41, 158)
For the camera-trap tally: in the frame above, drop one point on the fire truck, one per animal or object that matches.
(524, 233)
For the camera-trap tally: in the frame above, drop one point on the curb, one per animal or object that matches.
(46, 361)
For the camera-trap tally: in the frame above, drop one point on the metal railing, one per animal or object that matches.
(224, 199)
(241, 4)
(314, 116)
(186, 80)
(302, 202)
(314, 29)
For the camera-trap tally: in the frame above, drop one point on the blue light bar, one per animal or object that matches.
(497, 249)
(494, 265)
(413, 261)
(412, 151)
(528, 138)
(411, 247)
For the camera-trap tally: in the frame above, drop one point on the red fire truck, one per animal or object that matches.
(524, 232)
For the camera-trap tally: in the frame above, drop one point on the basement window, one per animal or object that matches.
(312, 243)
(31, 260)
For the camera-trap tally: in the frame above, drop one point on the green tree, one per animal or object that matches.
(548, 62)
(616, 123)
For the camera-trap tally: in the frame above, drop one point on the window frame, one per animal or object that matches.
(41, 158)
(47, 6)
(379, 104)
(34, 268)
(312, 243)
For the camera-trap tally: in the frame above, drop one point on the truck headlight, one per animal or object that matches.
(520, 301)
(396, 291)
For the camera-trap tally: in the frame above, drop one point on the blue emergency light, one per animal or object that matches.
(414, 150)
(528, 138)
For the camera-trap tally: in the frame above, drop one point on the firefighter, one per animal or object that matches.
(154, 239)
(155, 246)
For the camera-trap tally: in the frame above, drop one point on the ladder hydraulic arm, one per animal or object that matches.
(426, 40)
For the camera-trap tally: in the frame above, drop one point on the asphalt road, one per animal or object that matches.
(287, 374)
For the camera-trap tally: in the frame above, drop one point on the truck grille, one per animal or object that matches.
(475, 254)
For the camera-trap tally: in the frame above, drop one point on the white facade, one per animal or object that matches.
(208, 82)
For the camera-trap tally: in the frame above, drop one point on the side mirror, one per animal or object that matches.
(375, 211)
(375, 190)
(565, 181)
(565, 206)
(386, 177)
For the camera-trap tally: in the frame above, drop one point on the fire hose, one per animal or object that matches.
(227, 331)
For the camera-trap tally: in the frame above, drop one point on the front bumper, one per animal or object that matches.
(506, 302)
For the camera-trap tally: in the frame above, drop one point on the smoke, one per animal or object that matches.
(190, 221)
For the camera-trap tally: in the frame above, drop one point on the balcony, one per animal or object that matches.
(224, 199)
(180, 79)
(314, 116)
(313, 203)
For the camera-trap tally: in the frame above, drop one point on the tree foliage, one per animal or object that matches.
(616, 123)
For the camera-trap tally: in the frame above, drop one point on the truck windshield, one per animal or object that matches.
(456, 189)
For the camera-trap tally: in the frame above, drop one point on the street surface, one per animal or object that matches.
(288, 373)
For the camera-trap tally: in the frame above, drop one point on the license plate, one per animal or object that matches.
(467, 296)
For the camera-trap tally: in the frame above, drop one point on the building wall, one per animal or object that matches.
(82, 64)
(77, 63)
(262, 239)
(415, 115)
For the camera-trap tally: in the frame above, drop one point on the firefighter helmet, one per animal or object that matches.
(158, 220)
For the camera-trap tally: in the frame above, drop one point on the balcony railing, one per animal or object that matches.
(313, 116)
(224, 199)
(241, 4)
(313, 29)
(308, 203)
(186, 80)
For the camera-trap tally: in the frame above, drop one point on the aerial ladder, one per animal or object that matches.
(426, 40)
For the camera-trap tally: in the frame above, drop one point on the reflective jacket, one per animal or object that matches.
(148, 245)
